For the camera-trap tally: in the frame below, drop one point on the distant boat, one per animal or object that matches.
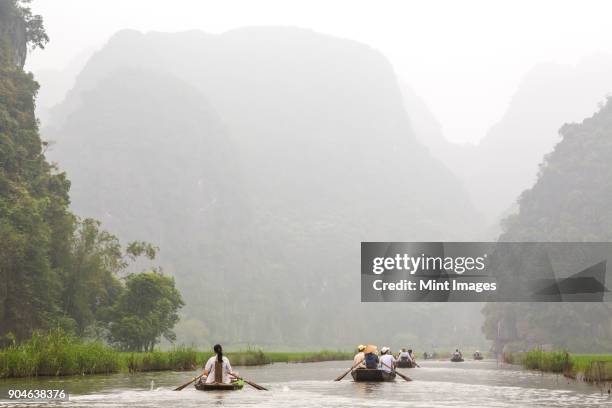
(372, 374)
(429, 356)
(403, 364)
(478, 356)
(456, 359)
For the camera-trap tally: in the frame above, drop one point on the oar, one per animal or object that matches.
(348, 371)
(186, 384)
(405, 377)
(252, 384)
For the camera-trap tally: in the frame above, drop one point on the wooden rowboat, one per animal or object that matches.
(233, 386)
(403, 364)
(372, 374)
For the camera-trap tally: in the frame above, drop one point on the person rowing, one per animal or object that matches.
(404, 356)
(359, 357)
(218, 368)
(412, 357)
(387, 362)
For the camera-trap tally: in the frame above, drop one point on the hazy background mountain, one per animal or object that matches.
(258, 160)
(56, 82)
(505, 162)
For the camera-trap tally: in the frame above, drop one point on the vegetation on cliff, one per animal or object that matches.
(57, 270)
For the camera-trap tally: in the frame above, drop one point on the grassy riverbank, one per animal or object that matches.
(590, 367)
(57, 353)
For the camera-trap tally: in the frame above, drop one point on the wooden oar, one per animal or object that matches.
(252, 384)
(348, 371)
(186, 384)
(405, 377)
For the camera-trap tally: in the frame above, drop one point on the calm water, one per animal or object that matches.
(436, 384)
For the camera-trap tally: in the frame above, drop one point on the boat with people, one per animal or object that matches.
(478, 355)
(429, 355)
(404, 364)
(405, 359)
(219, 376)
(457, 357)
(368, 366)
(375, 368)
(232, 386)
(372, 375)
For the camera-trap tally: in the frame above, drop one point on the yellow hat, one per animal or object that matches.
(370, 349)
(361, 347)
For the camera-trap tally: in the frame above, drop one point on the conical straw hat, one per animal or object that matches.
(370, 349)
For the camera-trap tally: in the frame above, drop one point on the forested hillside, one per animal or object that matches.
(259, 159)
(57, 270)
(34, 221)
(569, 202)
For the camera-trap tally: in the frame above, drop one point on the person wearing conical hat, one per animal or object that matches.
(371, 358)
(360, 356)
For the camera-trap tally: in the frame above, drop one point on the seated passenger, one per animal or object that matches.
(218, 369)
(387, 362)
(412, 357)
(403, 355)
(359, 357)
(371, 358)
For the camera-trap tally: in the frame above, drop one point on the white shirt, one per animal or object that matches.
(386, 362)
(404, 355)
(210, 367)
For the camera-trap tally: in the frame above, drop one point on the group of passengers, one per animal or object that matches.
(369, 357)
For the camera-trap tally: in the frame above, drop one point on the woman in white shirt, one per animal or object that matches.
(220, 363)
(387, 362)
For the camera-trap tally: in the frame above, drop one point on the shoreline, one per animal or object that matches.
(17, 364)
(591, 368)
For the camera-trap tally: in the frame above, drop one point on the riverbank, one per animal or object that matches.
(59, 354)
(587, 367)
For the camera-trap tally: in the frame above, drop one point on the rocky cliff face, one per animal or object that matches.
(262, 205)
(13, 42)
(570, 202)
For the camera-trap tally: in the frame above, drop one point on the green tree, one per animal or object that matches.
(146, 311)
(35, 224)
(89, 281)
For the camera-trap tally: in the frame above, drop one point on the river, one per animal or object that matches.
(436, 384)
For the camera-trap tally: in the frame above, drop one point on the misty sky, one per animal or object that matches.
(465, 58)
